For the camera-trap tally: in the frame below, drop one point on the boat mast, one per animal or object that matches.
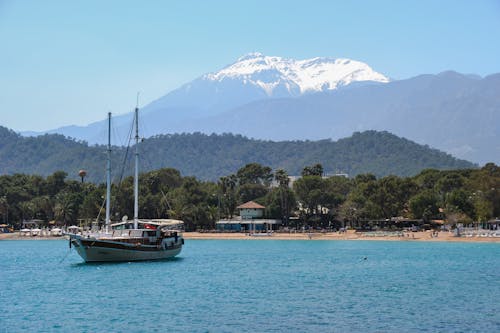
(136, 175)
(108, 177)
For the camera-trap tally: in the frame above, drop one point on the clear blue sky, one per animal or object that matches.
(70, 62)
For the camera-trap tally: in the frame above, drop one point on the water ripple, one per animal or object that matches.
(255, 286)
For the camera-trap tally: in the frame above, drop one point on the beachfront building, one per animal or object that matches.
(32, 224)
(250, 219)
(251, 210)
(493, 224)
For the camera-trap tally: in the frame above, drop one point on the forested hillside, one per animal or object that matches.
(209, 157)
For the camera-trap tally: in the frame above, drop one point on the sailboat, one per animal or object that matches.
(128, 240)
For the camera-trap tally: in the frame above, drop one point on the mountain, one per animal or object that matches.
(273, 98)
(256, 77)
(251, 78)
(212, 156)
(455, 113)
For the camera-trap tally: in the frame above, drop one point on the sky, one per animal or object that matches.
(71, 62)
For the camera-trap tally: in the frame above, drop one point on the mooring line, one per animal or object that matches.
(65, 256)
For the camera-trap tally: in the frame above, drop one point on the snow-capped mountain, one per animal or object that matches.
(277, 98)
(297, 77)
(256, 77)
(251, 78)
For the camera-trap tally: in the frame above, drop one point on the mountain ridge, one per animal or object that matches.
(456, 113)
(449, 111)
(211, 156)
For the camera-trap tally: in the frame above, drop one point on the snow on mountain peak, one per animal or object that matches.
(250, 55)
(296, 76)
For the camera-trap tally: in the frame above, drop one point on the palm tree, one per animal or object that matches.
(213, 213)
(282, 178)
(227, 187)
(64, 208)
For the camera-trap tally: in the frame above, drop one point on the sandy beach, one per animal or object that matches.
(424, 236)
(350, 235)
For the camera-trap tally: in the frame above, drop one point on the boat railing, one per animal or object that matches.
(96, 234)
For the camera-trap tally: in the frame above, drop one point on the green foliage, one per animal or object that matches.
(314, 170)
(459, 200)
(312, 193)
(249, 192)
(254, 173)
(318, 199)
(210, 157)
(424, 205)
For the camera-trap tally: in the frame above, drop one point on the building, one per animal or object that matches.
(251, 210)
(250, 220)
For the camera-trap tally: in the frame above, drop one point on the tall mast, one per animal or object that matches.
(136, 175)
(108, 177)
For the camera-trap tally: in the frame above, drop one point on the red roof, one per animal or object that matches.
(250, 205)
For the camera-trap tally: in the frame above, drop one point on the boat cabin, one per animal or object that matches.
(164, 224)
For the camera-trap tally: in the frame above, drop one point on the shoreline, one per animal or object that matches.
(421, 236)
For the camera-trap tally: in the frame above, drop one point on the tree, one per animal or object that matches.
(428, 178)
(254, 173)
(485, 187)
(349, 213)
(189, 203)
(4, 209)
(460, 201)
(250, 191)
(65, 208)
(391, 195)
(56, 182)
(338, 188)
(313, 197)
(448, 182)
(43, 207)
(227, 186)
(314, 170)
(27, 210)
(283, 181)
(213, 215)
(424, 205)
(365, 189)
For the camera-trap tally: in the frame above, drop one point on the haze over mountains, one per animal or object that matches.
(274, 98)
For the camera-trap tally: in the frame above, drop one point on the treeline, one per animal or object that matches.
(210, 157)
(313, 200)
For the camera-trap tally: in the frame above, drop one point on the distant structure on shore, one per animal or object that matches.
(250, 220)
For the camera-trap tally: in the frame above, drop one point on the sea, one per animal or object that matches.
(255, 286)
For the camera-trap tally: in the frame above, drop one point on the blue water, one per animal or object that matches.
(255, 286)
